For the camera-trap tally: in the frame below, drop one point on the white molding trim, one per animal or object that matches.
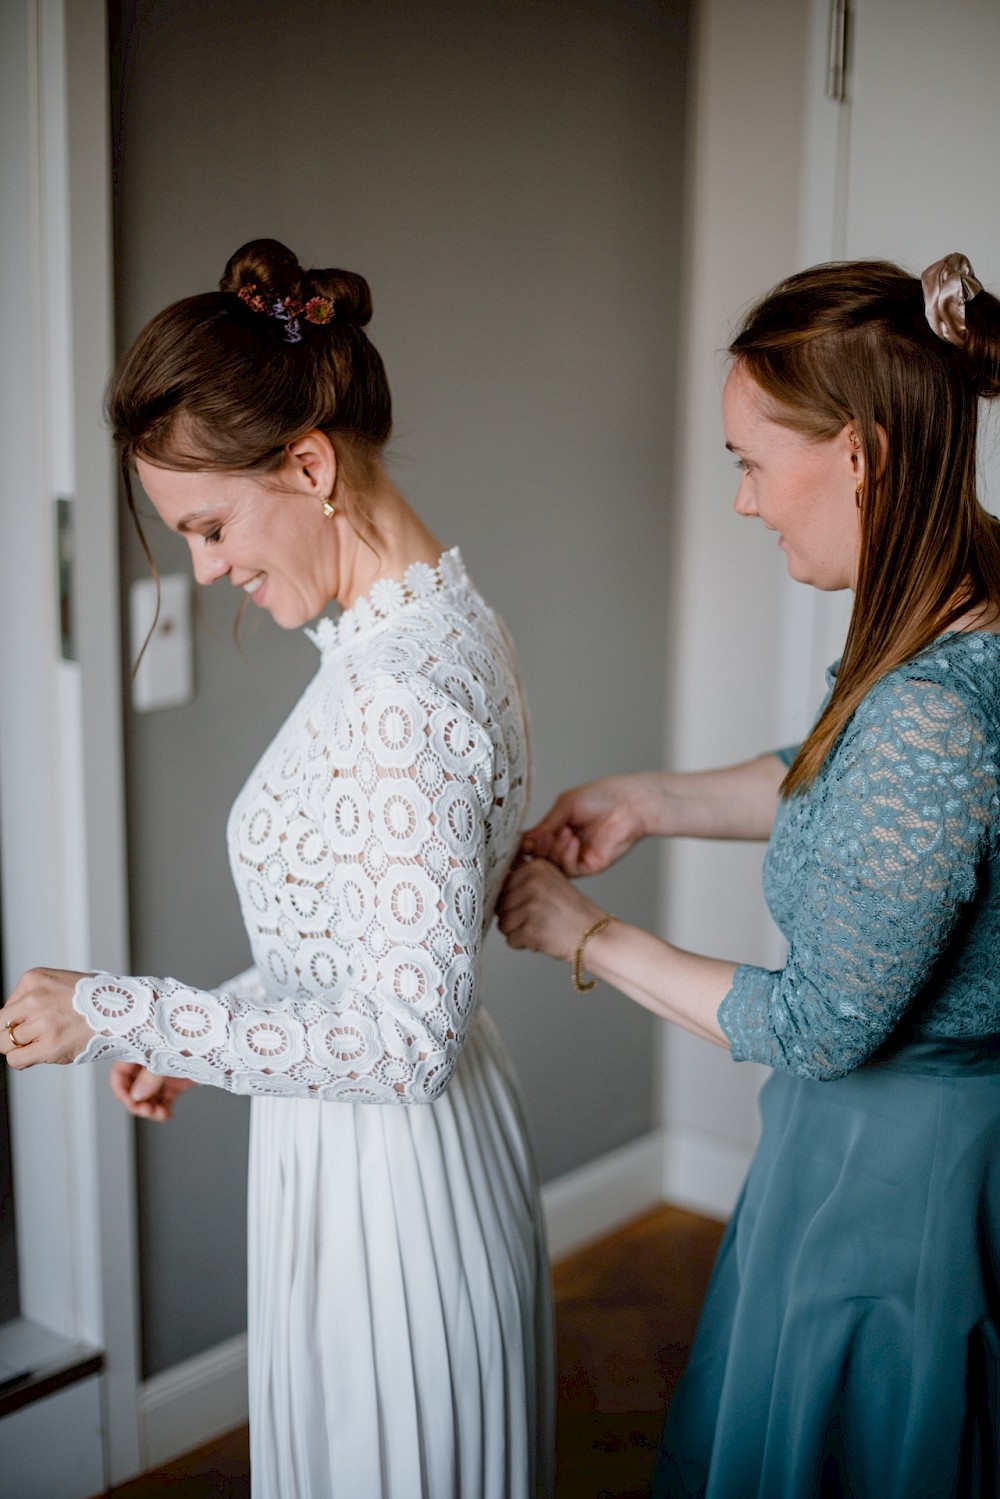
(597, 1197)
(204, 1397)
(61, 785)
(193, 1403)
(702, 1172)
(62, 789)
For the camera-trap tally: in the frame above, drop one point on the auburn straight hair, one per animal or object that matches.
(849, 344)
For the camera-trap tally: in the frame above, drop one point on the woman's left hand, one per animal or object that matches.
(540, 909)
(39, 1024)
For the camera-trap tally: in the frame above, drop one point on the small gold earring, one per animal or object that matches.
(857, 494)
(329, 508)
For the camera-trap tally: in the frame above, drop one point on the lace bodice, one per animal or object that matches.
(368, 848)
(885, 877)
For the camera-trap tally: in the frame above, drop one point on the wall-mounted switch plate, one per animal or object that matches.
(165, 678)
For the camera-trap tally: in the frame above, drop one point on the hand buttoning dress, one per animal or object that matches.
(399, 1318)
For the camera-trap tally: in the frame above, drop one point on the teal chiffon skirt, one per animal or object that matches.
(849, 1340)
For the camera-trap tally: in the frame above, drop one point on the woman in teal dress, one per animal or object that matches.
(850, 1339)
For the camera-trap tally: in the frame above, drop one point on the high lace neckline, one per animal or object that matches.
(387, 598)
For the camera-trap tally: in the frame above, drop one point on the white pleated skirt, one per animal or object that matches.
(400, 1322)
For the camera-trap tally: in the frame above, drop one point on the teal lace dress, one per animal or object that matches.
(850, 1340)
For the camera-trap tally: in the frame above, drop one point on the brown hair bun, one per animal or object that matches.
(349, 293)
(271, 267)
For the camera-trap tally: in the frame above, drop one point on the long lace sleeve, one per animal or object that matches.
(363, 861)
(878, 868)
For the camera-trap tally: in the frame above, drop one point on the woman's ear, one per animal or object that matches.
(857, 456)
(313, 463)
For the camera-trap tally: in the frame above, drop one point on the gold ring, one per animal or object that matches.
(11, 1027)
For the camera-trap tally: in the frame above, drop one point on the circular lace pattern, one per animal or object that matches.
(399, 815)
(368, 849)
(268, 1041)
(193, 1022)
(351, 1044)
(121, 1005)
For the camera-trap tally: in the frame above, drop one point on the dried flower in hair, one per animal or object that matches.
(252, 297)
(319, 310)
(288, 310)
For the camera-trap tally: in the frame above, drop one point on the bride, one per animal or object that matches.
(399, 1316)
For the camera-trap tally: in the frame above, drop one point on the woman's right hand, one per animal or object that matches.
(591, 826)
(145, 1093)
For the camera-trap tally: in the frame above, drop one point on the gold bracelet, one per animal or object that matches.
(580, 984)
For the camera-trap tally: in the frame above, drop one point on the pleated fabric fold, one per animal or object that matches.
(399, 1307)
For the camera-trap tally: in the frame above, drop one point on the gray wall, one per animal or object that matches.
(507, 176)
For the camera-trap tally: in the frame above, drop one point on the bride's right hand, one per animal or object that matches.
(591, 826)
(145, 1093)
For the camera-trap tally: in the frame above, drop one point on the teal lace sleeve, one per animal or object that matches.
(873, 868)
(787, 753)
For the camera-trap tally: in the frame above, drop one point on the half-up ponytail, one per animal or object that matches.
(850, 343)
(981, 350)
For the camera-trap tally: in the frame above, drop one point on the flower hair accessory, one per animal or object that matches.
(288, 310)
(948, 284)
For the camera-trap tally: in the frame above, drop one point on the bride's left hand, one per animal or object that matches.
(39, 1024)
(542, 910)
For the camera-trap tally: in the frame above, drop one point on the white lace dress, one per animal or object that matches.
(400, 1330)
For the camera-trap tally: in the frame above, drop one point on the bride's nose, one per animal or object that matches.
(208, 566)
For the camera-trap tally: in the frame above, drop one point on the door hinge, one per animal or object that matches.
(836, 72)
(65, 562)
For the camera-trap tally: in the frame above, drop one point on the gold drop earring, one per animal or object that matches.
(329, 508)
(856, 449)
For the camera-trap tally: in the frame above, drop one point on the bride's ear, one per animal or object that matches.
(313, 461)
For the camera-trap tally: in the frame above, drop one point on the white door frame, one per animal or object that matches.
(811, 624)
(61, 774)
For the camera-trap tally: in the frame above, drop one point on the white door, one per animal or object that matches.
(905, 168)
(61, 796)
(923, 174)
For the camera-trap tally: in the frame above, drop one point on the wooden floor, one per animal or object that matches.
(626, 1308)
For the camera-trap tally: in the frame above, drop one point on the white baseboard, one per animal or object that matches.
(206, 1396)
(701, 1172)
(597, 1197)
(193, 1402)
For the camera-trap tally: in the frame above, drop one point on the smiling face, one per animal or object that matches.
(803, 488)
(267, 535)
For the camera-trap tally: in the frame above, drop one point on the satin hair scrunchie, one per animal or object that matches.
(948, 284)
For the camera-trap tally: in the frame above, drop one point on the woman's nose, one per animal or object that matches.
(208, 566)
(744, 502)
